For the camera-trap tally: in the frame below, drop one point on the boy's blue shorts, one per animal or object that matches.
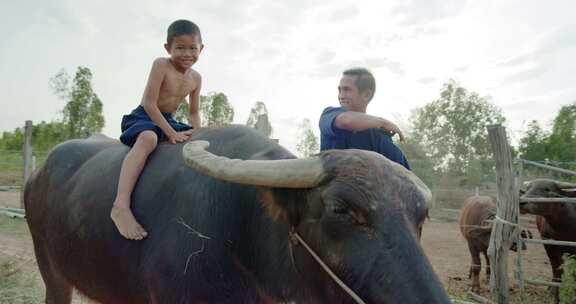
(138, 121)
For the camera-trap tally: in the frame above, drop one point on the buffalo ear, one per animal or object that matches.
(524, 187)
(283, 204)
(274, 209)
(276, 201)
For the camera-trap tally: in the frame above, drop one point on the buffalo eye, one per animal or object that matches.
(342, 210)
(549, 191)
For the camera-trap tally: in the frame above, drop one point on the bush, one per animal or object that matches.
(568, 285)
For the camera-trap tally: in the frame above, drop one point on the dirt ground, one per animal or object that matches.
(441, 240)
(449, 256)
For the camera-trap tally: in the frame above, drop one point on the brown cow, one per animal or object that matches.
(555, 220)
(476, 226)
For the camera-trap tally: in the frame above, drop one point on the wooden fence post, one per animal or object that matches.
(27, 156)
(519, 264)
(506, 220)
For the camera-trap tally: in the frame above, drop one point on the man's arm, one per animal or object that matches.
(356, 121)
(194, 104)
(151, 93)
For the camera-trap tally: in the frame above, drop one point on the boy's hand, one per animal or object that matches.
(188, 132)
(392, 129)
(178, 137)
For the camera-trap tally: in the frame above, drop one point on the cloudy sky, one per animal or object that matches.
(290, 54)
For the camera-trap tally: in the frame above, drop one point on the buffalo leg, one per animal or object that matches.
(555, 258)
(487, 265)
(58, 290)
(475, 267)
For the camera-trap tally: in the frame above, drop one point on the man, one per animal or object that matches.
(349, 127)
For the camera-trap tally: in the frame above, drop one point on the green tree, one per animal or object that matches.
(534, 144)
(181, 114)
(562, 141)
(453, 128)
(46, 135)
(258, 119)
(258, 109)
(82, 114)
(420, 162)
(216, 110)
(12, 141)
(307, 142)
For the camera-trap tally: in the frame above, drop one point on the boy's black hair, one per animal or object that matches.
(364, 81)
(183, 27)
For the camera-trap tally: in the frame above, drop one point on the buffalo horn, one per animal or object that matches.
(282, 173)
(568, 187)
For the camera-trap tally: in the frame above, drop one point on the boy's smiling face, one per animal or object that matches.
(184, 51)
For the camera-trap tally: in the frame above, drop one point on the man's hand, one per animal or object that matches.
(392, 129)
(179, 137)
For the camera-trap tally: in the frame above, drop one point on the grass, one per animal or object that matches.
(17, 286)
(568, 287)
(458, 290)
(13, 226)
(18, 275)
(529, 299)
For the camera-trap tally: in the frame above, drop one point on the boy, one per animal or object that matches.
(170, 81)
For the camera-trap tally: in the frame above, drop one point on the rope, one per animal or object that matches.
(475, 226)
(501, 220)
(350, 292)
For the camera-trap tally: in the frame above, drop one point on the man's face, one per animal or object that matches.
(349, 96)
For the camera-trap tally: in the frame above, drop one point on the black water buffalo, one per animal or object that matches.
(555, 220)
(476, 218)
(222, 231)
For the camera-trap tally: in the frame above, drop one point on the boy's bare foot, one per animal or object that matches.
(127, 224)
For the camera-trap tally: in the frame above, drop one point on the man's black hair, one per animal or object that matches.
(364, 81)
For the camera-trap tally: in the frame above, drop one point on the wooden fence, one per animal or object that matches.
(542, 200)
(506, 227)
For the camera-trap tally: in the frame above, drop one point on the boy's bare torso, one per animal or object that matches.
(175, 87)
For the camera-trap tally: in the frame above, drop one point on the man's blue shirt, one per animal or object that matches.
(332, 137)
